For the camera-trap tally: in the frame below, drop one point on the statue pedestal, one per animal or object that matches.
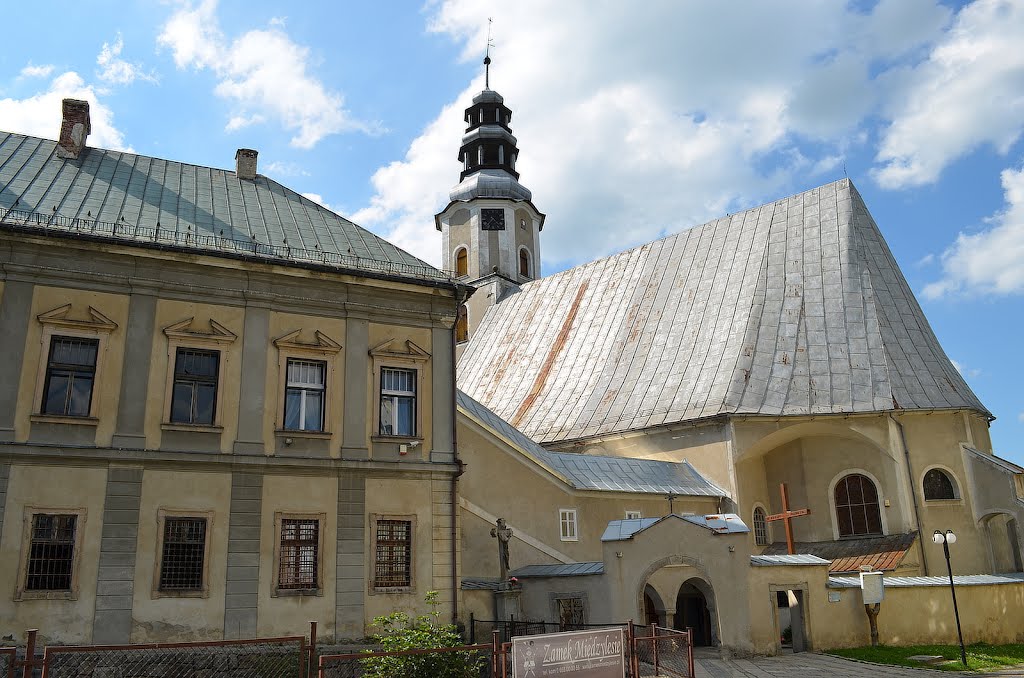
(508, 604)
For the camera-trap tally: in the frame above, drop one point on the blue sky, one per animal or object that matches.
(634, 121)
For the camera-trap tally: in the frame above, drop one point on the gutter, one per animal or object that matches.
(913, 494)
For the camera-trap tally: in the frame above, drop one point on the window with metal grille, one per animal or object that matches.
(304, 395)
(760, 527)
(300, 540)
(857, 511)
(938, 485)
(397, 402)
(567, 524)
(393, 564)
(194, 398)
(70, 373)
(52, 552)
(571, 613)
(181, 564)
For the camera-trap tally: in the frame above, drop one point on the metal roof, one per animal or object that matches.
(475, 584)
(794, 307)
(559, 570)
(787, 559)
(163, 204)
(959, 580)
(592, 472)
(851, 555)
(720, 523)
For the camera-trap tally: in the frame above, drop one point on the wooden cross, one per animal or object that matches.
(786, 516)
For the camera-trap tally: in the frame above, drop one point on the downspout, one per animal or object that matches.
(913, 493)
(458, 473)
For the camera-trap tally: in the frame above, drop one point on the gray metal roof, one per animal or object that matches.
(959, 580)
(476, 584)
(786, 559)
(720, 523)
(164, 204)
(592, 472)
(559, 570)
(793, 307)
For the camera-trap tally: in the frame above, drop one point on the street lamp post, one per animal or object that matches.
(946, 538)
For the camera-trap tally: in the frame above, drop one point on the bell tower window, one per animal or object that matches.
(461, 262)
(524, 263)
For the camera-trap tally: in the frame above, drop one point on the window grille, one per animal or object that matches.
(194, 399)
(181, 564)
(397, 402)
(52, 552)
(857, 511)
(70, 373)
(760, 527)
(937, 485)
(300, 540)
(304, 395)
(393, 562)
(571, 613)
(567, 524)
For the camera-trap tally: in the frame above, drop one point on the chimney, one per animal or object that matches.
(245, 163)
(73, 129)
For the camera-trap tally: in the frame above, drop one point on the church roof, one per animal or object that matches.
(852, 555)
(719, 523)
(796, 307)
(154, 203)
(593, 472)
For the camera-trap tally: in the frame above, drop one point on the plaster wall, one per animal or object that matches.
(33, 488)
(765, 630)
(159, 617)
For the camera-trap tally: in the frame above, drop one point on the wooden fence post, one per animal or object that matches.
(30, 653)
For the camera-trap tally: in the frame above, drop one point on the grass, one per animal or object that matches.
(980, 656)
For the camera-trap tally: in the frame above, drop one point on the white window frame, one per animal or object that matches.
(305, 387)
(324, 350)
(568, 524)
(634, 514)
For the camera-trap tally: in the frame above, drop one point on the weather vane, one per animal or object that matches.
(487, 56)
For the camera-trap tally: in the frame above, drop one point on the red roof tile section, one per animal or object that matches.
(850, 555)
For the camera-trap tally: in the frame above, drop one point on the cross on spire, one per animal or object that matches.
(786, 516)
(487, 57)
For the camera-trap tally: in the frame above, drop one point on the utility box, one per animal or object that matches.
(872, 588)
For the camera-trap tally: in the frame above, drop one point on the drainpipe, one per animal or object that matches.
(913, 493)
(461, 469)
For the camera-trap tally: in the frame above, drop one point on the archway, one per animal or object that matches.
(695, 609)
(654, 609)
(1003, 542)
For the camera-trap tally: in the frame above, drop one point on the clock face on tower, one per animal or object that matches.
(492, 220)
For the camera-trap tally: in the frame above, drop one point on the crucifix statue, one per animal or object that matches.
(503, 534)
(786, 517)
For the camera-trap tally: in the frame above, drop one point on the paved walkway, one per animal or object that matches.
(807, 664)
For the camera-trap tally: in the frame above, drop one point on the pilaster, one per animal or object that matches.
(15, 315)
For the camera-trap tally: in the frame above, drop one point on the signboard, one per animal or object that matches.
(598, 653)
(872, 587)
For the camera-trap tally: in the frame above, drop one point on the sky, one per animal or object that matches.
(634, 120)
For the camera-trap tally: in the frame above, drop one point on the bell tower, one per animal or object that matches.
(490, 230)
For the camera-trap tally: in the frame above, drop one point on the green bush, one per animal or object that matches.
(401, 632)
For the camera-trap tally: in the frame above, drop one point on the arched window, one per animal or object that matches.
(524, 263)
(461, 262)
(938, 485)
(462, 324)
(760, 527)
(857, 511)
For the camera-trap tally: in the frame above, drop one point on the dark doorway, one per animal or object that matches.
(790, 620)
(692, 612)
(653, 609)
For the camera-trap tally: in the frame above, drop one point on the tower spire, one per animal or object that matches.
(487, 57)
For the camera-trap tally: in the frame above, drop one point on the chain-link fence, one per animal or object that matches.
(260, 658)
(7, 657)
(465, 661)
(664, 652)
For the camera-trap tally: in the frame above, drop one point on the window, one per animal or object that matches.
(304, 395)
(51, 554)
(524, 263)
(760, 527)
(392, 565)
(194, 397)
(567, 524)
(634, 515)
(397, 402)
(571, 613)
(183, 554)
(462, 324)
(857, 511)
(298, 561)
(461, 262)
(70, 373)
(938, 485)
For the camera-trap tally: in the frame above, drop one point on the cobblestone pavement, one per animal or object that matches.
(805, 665)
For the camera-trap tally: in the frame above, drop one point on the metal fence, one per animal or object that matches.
(664, 652)
(464, 660)
(7, 657)
(512, 627)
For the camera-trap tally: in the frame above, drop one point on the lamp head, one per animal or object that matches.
(938, 537)
(946, 536)
(950, 537)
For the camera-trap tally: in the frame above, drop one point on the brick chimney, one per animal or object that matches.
(245, 163)
(73, 129)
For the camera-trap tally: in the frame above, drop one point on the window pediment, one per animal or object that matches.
(393, 348)
(60, 317)
(321, 342)
(217, 333)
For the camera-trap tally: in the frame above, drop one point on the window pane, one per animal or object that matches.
(387, 419)
(51, 553)
(842, 493)
(856, 489)
(404, 416)
(314, 411)
(845, 521)
(181, 403)
(937, 485)
(292, 408)
(81, 392)
(57, 394)
(206, 397)
(298, 555)
(181, 565)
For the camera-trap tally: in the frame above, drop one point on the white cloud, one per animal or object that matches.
(40, 114)
(624, 138)
(319, 200)
(263, 72)
(286, 169)
(969, 92)
(33, 71)
(117, 71)
(965, 371)
(988, 262)
(1020, 417)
